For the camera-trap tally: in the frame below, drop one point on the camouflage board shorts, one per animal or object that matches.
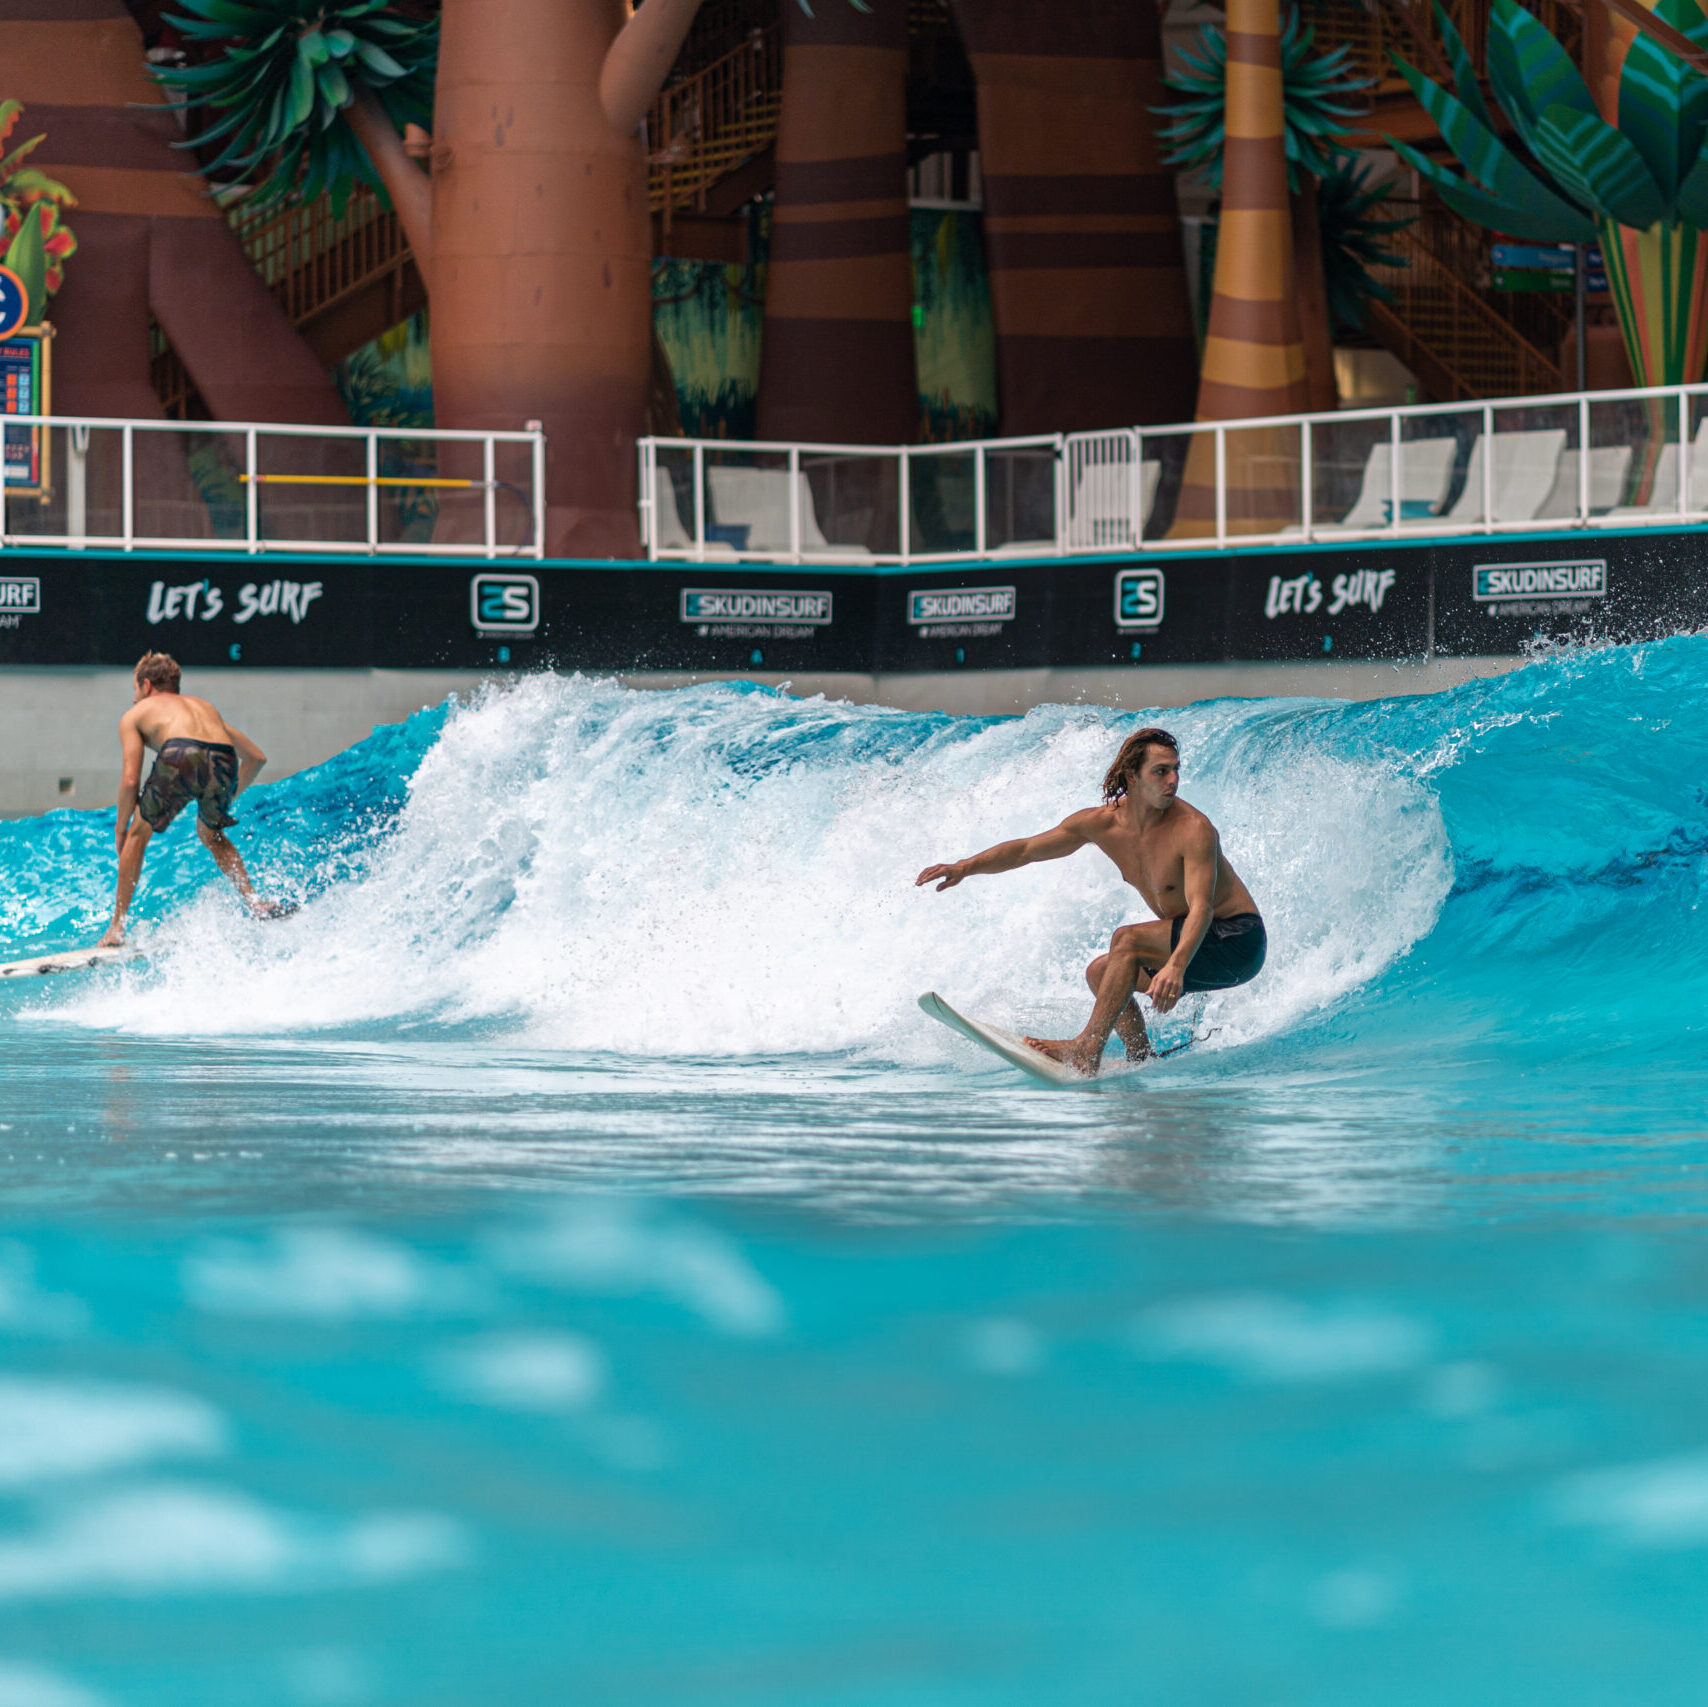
(202, 771)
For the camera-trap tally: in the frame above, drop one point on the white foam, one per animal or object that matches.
(53, 1428)
(712, 872)
(1264, 1337)
(315, 1271)
(527, 1371)
(35, 1686)
(1661, 1503)
(620, 1248)
(166, 1539)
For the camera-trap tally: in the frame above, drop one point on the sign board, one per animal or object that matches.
(1515, 278)
(1547, 257)
(14, 302)
(24, 391)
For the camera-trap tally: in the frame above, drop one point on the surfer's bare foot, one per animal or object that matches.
(115, 937)
(272, 909)
(1073, 1052)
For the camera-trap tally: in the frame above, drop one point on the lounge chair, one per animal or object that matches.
(1663, 489)
(1101, 513)
(1525, 467)
(757, 500)
(1426, 467)
(1609, 469)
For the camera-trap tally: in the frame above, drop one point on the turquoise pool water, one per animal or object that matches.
(560, 1264)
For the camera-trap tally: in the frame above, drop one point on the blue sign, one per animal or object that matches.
(14, 302)
(1546, 257)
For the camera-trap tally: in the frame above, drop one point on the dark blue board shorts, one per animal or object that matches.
(1231, 953)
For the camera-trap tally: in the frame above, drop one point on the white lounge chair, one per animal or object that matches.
(1663, 489)
(1523, 471)
(1426, 467)
(1609, 469)
(668, 531)
(1101, 513)
(758, 499)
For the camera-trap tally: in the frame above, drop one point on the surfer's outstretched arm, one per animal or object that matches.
(1069, 836)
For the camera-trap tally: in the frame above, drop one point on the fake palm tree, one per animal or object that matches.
(1641, 186)
(1319, 97)
(530, 225)
(35, 241)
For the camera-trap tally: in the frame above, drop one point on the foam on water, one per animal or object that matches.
(724, 872)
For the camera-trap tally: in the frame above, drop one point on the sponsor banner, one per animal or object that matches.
(756, 612)
(20, 596)
(961, 613)
(1513, 583)
(504, 604)
(1140, 600)
(1330, 605)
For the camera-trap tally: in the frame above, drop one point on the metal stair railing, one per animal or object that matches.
(707, 125)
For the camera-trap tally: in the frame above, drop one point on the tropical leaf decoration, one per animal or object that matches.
(1354, 237)
(282, 74)
(35, 241)
(1320, 97)
(1641, 186)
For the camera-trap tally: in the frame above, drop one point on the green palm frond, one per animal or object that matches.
(1318, 92)
(1350, 214)
(1649, 169)
(35, 241)
(281, 74)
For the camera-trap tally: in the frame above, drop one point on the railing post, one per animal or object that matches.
(978, 501)
(1488, 465)
(1583, 460)
(128, 482)
(77, 484)
(251, 494)
(1307, 492)
(489, 474)
(699, 503)
(1136, 490)
(1061, 494)
(539, 473)
(794, 503)
(1683, 452)
(1221, 485)
(1394, 473)
(904, 483)
(373, 491)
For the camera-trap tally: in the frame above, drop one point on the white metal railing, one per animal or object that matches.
(84, 482)
(1598, 459)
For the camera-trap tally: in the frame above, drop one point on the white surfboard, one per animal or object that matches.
(67, 960)
(1012, 1048)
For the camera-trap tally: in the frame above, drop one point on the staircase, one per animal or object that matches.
(713, 123)
(1462, 340)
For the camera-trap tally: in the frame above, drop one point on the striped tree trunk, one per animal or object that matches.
(149, 236)
(1082, 231)
(1254, 358)
(837, 361)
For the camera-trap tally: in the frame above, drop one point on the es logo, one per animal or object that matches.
(504, 604)
(1138, 599)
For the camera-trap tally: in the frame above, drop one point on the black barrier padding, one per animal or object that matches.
(1472, 597)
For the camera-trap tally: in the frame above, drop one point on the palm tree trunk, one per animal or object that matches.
(1254, 359)
(1316, 325)
(1082, 231)
(837, 360)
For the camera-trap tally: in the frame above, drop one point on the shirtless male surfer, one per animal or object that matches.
(199, 757)
(1207, 934)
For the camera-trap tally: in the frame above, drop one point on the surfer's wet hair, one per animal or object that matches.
(160, 671)
(1131, 760)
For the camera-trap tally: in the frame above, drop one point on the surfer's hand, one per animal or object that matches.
(1166, 989)
(950, 874)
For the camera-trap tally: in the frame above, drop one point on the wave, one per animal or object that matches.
(723, 871)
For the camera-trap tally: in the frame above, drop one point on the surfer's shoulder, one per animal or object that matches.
(1089, 822)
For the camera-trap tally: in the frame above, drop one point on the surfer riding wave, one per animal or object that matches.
(1207, 933)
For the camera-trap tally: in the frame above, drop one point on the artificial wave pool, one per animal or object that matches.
(561, 1258)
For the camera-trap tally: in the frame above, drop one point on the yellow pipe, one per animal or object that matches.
(354, 480)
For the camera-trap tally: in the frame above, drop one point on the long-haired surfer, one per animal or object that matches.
(1207, 933)
(197, 756)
